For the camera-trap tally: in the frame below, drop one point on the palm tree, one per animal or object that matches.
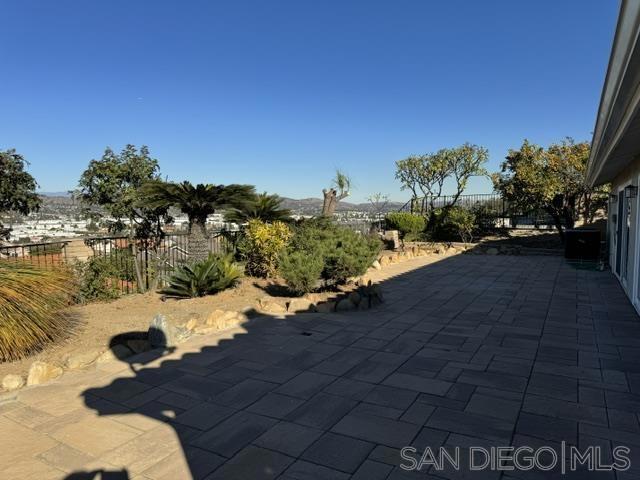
(263, 206)
(198, 202)
(339, 190)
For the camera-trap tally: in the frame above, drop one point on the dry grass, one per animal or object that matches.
(31, 308)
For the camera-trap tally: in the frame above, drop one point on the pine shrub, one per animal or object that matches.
(409, 225)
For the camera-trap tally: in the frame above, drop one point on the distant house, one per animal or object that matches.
(615, 150)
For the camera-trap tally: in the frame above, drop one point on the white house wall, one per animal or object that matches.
(630, 282)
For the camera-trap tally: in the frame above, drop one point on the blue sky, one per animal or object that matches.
(280, 93)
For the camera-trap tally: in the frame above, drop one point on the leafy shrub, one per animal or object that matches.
(31, 304)
(408, 224)
(343, 253)
(262, 245)
(486, 216)
(301, 271)
(456, 224)
(202, 278)
(97, 279)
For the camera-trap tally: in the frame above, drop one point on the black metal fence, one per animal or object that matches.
(43, 255)
(156, 260)
(133, 262)
(490, 210)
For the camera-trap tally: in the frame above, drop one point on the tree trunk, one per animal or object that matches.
(330, 202)
(198, 242)
(557, 221)
(141, 285)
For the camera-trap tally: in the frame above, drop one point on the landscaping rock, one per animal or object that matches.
(314, 298)
(223, 319)
(41, 372)
(392, 239)
(376, 265)
(492, 251)
(269, 306)
(191, 324)
(117, 352)
(345, 305)
(162, 333)
(301, 305)
(81, 360)
(205, 329)
(12, 382)
(384, 261)
(326, 307)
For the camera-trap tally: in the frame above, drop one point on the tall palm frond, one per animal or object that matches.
(198, 202)
(263, 206)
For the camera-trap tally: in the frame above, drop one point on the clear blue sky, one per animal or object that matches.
(279, 93)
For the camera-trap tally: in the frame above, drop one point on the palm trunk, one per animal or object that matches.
(330, 202)
(198, 242)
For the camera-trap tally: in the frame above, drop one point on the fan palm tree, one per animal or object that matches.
(263, 206)
(197, 202)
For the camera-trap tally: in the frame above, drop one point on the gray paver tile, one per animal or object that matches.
(338, 452)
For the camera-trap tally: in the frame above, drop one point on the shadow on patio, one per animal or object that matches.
(467, 351)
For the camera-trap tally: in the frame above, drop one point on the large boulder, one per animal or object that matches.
(12, 382)
(41, 372)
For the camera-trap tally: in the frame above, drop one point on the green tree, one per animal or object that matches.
(17, 187)
(112, 185)
(340, 189)
(551, 179)
(427, 173)
(263, 206)
(197, 202)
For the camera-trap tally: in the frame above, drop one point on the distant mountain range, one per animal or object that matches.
(304, 206)
(311, 206)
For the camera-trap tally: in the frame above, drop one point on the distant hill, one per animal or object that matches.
(304, 206)
(313, 206)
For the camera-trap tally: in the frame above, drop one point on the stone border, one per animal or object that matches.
(360, 294)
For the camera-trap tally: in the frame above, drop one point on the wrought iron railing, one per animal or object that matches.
(137, 262)
(490, 209)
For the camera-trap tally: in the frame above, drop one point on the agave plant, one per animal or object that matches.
(202, 278)
(31, 304)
